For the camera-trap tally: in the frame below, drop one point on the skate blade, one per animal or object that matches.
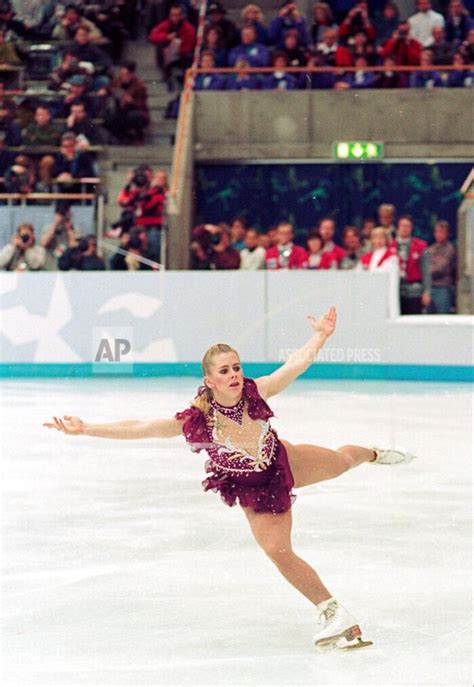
(332, 643)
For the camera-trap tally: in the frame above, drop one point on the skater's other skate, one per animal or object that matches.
(391, 456)
(339, 630)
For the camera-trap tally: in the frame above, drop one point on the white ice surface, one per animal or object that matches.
(119, 570)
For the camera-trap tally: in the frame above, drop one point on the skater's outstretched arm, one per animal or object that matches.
(124, 429)
(302, 358)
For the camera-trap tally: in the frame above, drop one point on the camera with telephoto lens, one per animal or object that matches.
(25, 237)
(140, 178)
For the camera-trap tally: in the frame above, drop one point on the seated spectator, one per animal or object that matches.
(255, 53)
(357, 20)
(333, 54)
(312, 80)
(8, 57)
(117, 20)
(360, 46)
(66, 28)
(285, 254)
(387, 22)
(252, 15)
(10, 129)
(368, 223)
(390, 78)
(361, 78)
(22, 253)
(288, 18)
(264, 241)
(229, 32)
(77, 92)
(82, 255)
(317, 259)
(72, 162)
(238, 232)
(209, 81)
(353, 246)
(423, 22)
(242, 80)
(80, 124)
(467, 48)
(144, 197)
(127, 256)
(7, 159)
(458, 23)
(175, 39)
(20, 177)
(224, 257)
(322, 19)
(402, 46)
(211, 248)
(441, 50)
(279, 79)
(60, 235)
(380, 257)
(460, 78)
(213, 42)
(327, 229)
(386, 213)
(415, 279)
(442, 263)
(296, 56)
(86, 51)
(42, 132)
(426, 79)
(252, 256)
(130, 116)
(67, 68)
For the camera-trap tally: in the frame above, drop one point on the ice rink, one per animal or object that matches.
(119, 570)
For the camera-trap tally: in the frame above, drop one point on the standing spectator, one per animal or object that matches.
(131, 116)
(386, 213)
(279, 79)
(285, 254)
(458, 23)
(402, 46)
(387, 22)
(368, 223)
(72, 19)
(59, 236)
(441, 50)
(213, 41)
(238, 232)
(357, 20)
(175, 39)
(426, 79)
(22, 254)
(415, 279)
(248, 49)
(380, 257)
(82, 255)
(209, 81)
(327, 229)
(353, 247)
(252, 15)
(322, 19)
(442, 262)
(317, 258)
(230, 35)
(252, 256)
(288, 18)
(423, 22)
(223, 256)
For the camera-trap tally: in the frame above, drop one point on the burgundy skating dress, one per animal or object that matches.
(247, 461)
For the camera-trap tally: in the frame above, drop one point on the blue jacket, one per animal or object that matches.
(425, 80)
(209, 82)
(255, 54)
(282, 82)
(279, 25)
(250, 83)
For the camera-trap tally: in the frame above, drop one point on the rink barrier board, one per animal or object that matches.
(434, 373)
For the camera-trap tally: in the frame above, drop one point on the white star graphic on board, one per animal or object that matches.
(21, 327)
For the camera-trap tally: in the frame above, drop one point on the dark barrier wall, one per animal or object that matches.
(349, 192)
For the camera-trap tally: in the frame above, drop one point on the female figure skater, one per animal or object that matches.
(249, 464)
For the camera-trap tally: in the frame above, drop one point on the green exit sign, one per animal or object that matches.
(357, 150)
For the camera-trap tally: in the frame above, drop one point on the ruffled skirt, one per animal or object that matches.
(269, 491)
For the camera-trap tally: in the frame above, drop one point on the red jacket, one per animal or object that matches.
(367, 257)
(404, 52)
(336, 254)
(185, 31)
(148, 206)
(325, 264)
(298, 258)
(412, 266)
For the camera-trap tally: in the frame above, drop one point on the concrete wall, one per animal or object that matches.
(273, 124)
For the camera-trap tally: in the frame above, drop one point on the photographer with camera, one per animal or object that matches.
(60, 235)
(82, 255)
(144, 196)
(402, 47)
(132, 243)
(211, 248)
(288, 18)
(22, 254)
(357, 20)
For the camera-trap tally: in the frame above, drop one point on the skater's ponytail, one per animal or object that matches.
(205, 396)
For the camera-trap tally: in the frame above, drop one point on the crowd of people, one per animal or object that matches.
(427, 274)
(354, 34)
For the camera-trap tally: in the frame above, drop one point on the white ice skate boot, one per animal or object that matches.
(340, 629)
(391, 456)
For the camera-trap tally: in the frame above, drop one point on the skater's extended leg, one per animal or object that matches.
(310, 464)
(273, 534)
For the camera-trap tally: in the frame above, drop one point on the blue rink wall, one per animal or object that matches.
(157, 324)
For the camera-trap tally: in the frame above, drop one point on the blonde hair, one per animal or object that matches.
(203, 401)
(383, 231)
(250, 8)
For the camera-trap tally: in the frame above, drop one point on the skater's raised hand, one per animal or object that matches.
(326, 324)
(70, 425)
